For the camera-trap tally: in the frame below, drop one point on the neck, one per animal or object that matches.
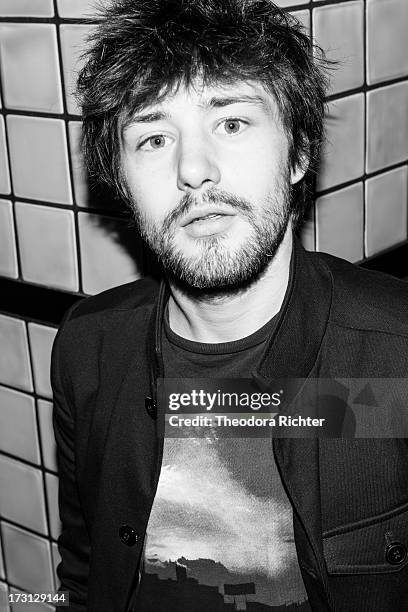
(230, 316)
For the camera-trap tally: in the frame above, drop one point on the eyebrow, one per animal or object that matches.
(214, 102)
(148, 117)
(221, 101)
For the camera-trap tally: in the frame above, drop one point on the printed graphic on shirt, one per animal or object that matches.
(220, 534)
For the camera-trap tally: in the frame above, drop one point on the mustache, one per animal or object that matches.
(213, 196)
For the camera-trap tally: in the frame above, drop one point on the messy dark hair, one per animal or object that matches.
(144, 49)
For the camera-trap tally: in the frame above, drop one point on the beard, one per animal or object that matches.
(216, 266)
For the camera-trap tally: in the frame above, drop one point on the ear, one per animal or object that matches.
(299, 171)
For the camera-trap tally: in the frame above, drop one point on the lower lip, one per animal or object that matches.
(209, 227)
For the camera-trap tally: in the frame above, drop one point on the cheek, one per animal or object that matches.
(259, 168)
(257, 178)
(150, 193)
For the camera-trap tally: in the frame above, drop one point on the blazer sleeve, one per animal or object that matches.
(73, 542)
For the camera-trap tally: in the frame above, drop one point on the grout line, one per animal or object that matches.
(78, 259)
(27, 320)
(106, 212)
(42, 468)
(30, 356)
(18, 112)
(56, 11)
(365, 127)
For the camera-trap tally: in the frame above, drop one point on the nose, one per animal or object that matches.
(196, 164)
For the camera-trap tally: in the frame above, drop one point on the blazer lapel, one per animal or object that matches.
(293, 354)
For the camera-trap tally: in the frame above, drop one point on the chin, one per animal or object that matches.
(208, 273)
(220, 262)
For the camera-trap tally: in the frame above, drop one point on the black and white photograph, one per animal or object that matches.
(203, 305)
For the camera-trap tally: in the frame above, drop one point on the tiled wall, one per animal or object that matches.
(53, 232)
(28, 470)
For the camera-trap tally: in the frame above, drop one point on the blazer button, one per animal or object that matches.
(396, 553)
(128, 535)
(151, 408)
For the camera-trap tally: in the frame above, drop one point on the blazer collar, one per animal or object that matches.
(293, 352)
(303, 319)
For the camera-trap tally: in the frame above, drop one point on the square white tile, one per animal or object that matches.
(387, 126)
(28, 559)
(340, 223)
(30, 67)
(18, 426)
(26, 8)
(4, 165)
(41, 341)
(387, 41)
(343, 151)
(8, 252)
(339, 30)
(39, 158)
(15, 369)
(49, 447)
(47, 245)
(22, 494)
(386, 210)
(73, 43)
(105, 262)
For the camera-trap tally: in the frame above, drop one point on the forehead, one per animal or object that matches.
(200, 95)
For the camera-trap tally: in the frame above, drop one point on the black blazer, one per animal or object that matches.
(337, 320)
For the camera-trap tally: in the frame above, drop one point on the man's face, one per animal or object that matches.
(207, 170)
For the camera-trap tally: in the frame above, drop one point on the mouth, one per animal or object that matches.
(209, 221)
(206, 214)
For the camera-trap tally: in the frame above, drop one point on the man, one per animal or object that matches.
(206, 117)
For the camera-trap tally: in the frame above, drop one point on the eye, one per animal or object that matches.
(231, 126)
(158, 141)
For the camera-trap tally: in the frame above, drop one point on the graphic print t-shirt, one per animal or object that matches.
(220, 533)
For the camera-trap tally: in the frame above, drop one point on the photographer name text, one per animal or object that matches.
(222, 420)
